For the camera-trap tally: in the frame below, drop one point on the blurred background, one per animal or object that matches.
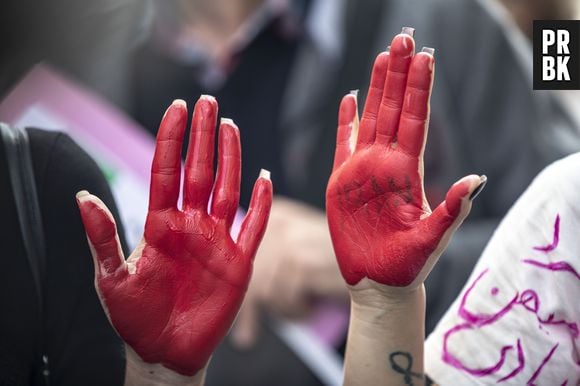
(105, 71)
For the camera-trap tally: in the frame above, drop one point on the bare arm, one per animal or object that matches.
(385, 340)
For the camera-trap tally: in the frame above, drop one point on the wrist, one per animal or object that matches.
(386, 333)
(369, 297)
(139, 373)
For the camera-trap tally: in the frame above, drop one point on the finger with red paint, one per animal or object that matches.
(395, 85)
(368, 122)
(166, 166)
(176, 296)
(226, 193)
(198, 176)
(348, 126)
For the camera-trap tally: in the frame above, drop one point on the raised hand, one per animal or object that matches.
(178, 293)
(381, 225)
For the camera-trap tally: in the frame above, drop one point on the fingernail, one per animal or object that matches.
(81, 194)
(265, 174)
(227, 121)
(429, 50)
(207, 97)
(388, 49)
(408, 31)
(479, 188)
(354, 93)
(179, 102)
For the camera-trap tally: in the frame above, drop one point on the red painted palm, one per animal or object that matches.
(381, 224)
(177, 295)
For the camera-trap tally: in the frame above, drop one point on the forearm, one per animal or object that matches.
(139, 373)
(385, 341)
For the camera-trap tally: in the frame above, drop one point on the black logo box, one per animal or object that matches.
(573, 27)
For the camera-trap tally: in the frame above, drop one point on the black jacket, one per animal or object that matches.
(83, 348)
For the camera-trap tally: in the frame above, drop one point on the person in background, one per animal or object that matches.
(81, 346)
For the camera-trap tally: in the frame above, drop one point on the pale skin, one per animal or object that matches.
(388, 325)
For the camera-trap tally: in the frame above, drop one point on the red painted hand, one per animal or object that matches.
(177, 295)
(381, 225)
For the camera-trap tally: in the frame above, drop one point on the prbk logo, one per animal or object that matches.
(556, 54)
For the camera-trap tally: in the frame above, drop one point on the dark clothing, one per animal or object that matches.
(268, 362)
(83, 348)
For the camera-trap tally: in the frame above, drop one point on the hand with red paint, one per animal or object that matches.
(174, 299)
(385, 236)
(381, 224)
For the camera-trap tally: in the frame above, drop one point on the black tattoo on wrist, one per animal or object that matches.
(402, 363)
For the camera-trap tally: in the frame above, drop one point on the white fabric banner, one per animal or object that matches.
(516, 321)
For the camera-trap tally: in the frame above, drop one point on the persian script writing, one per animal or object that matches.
(528, 300)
